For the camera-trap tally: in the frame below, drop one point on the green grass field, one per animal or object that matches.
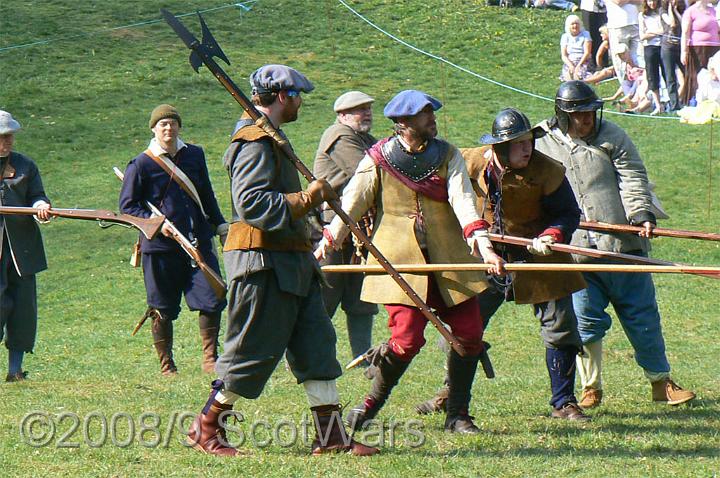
(83, 90)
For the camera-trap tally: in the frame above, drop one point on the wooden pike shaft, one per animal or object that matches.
(515, 267)
(658, 231)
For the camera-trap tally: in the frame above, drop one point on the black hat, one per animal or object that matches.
(574, 96)
(509, 124)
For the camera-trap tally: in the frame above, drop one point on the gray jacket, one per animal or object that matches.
(21, 186)
(609, 181)
(258, 180)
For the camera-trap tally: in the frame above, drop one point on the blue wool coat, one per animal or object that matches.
(145, 180)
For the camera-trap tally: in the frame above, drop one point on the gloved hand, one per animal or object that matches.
(324, 246)
(320, 190)
(301, 202)
(541, 246)
(222, 232)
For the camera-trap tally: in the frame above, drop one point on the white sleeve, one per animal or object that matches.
(461, 195)
(358, 197)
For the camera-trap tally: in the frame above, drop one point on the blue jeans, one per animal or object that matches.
(633, 298)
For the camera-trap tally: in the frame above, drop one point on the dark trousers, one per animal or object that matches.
(698, 57)
(670, 60)
(652, 66)
(592, 21)
(263, 323)
(170, 275)
(18, 305)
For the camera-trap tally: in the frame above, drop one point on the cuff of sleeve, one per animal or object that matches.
(222, 229)
(555, 233)
(475, 226)
(39, 203)
(641, 217)
(329, 237)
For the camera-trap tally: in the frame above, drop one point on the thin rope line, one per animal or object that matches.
(477, 75)
(131, 25)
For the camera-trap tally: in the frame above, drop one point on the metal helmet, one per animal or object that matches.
(575, 96)
(509, 124)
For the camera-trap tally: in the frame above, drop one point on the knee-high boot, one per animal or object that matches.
(461, 374)
(209, 329)
(389, 370)
(162, 332)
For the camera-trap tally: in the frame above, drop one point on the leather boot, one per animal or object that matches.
(162, 332)
(389, 369)
(209, 330)
(461, 373)
(331, 436)
(207, 433)
(436, 404)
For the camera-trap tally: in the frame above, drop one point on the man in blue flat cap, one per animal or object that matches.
(426, 213)
(276, 305)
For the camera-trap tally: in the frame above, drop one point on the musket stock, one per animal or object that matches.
(149, 227)
(204, 52)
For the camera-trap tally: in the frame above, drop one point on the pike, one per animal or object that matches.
(596, 253)
(149, 227)
(216, 282)
(658, 231)
(524, 267)
(203, 53)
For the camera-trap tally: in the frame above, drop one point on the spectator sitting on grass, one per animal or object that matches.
(575, 50)
(559, 4)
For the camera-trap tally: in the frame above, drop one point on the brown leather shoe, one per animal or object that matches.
(331, 436)
(436, 404)
(16, 377)
(668, 391)
(207, 433)
(591, 398)
(570, 411)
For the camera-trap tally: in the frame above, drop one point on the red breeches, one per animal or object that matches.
(407, 324)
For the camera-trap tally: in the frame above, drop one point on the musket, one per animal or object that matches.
(203, 53)
(216, 282)
(149, 227)
(526, 266)
(595, 253)
(658, 231)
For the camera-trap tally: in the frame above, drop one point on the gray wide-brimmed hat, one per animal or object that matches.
(8, 124)
(350, 100)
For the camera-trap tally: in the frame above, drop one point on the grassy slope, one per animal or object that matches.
(84, 103)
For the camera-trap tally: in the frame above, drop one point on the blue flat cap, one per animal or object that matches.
(273, 78)
(410, 103)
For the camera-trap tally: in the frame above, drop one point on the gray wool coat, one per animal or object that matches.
(609, 181)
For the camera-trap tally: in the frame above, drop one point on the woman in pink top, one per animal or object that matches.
(699, 42)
